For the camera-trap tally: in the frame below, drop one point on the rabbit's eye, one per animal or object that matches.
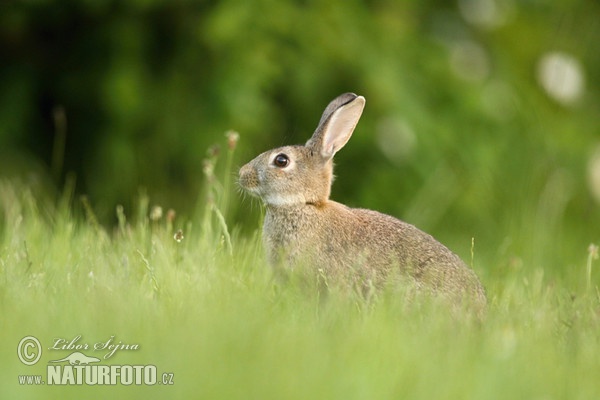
(281, 160)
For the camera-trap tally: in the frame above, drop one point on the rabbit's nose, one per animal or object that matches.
(247, 178)
(245, 170)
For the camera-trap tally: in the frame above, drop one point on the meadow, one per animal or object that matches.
(197, 298)
(118, 242)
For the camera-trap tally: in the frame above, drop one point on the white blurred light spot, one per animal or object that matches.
(561, 76)
(485, 13)
(396, 139)
(594, 174)
(469, 61)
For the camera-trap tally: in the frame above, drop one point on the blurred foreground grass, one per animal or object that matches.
(216, 320)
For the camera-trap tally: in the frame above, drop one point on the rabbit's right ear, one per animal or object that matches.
(337, 124)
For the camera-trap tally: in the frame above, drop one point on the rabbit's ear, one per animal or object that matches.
(337, 124)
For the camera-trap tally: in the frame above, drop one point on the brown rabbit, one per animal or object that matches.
(304, 227)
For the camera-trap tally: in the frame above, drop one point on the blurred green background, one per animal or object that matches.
(482, 117)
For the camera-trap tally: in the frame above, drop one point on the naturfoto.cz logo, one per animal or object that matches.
(79, 368)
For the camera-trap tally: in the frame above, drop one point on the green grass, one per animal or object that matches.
(207, 309)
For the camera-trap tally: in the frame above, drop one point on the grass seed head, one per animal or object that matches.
(156, 213)
(232, 139)
(178, 236)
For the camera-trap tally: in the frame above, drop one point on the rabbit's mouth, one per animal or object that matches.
(273, 199)
(253, 191)
(247, 186)
(248, 180)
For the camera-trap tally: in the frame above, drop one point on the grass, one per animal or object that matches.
(201, 304)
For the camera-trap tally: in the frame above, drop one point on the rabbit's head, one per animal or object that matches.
(297, 175)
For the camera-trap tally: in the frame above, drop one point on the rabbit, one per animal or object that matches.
(302, 226)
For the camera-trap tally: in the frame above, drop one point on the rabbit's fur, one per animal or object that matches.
(304, 227)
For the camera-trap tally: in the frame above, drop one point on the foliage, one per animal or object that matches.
(458, 121)
(481, 127)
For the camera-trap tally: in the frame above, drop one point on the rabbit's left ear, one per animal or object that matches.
(337, 124)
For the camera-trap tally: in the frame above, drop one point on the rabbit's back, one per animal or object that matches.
(351, 244)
